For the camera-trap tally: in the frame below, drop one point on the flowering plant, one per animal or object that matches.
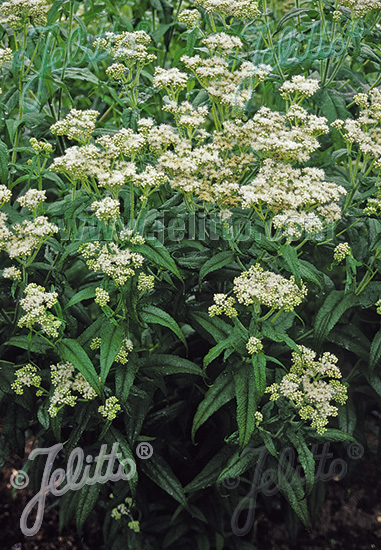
(190, 250)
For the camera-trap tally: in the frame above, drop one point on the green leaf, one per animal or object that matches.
(84, 294)
(155, 315)
(71, 351)
(259, 371)
(163, 365)
(111, 341)
(211, 326)
(220, 393)
(82, 419)
(92, 331)
(209, 474)
(124, 378)
(306, 459)
(4, 160)
(268, 441)
(292, 489)
(216, 351)
(37, 345)
(88, 497)
(331, 435)
(191, 41)
(291, 256)
(160, 473)
(218, 261)
(159, 255)
(114, 436)
(245, 395)
(330, 312)
(375, 351)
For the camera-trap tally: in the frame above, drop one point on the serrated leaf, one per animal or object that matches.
(155, 315)
(114, 436)
(245, 396)
(218, 261)
(216, 351)
(159, 255)
(84, 294)
(335, 305)
(375, 351)
(306, 459)
(165, 364)
(291, 256)
(71, 351)
(160, 473)
(209, 474)
(292, 489)
(124, 378)
(212, 326)
(221, 392)
(88, 497)
(111, 341)
(92, 331)
(4, 160)
(259, 372)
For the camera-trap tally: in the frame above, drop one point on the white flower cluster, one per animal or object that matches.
(26, 376)
(282, 187)
(41, 147)
(257, 286)
(150, 179)
(12, 273)
(118, 264)
(307, 388)
(36, 303)
(190, 18)
(254, 345)
(106, 209)
(125, 349)
(145, 282)
(116, 71)
(90, 161)
(78, 125)
(20, 12)
(240, 9)
(231, 88)
(373, 205)
(110, 409)
(24, 237)
(185, 115)
(224, 43)
(341, 251)
(65, 383)
(5, 194)
(271, 134)
(169, 79)
(294, 224)
(32, 199)
(223, 305)
(5, 55)
(366, 130)
(299, 85)
(133, 238)
(127, 47)
(361, 7)
(102, 297)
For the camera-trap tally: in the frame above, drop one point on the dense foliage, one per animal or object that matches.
(190, 247)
